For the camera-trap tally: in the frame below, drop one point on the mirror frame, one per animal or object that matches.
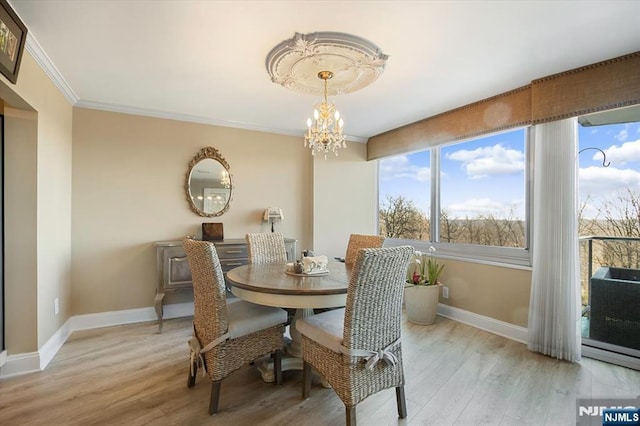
(211, 153)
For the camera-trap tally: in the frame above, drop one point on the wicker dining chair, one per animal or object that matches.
(357, 242)
(266, 247)
(227, 336)
(358, 349)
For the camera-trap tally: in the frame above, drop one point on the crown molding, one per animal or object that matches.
(34, 48)
(195, 119)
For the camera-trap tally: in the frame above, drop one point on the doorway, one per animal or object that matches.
(609, 221)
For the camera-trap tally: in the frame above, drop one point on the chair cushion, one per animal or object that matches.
(325, 328)
(246, 318)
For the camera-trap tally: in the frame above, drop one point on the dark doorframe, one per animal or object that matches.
(2, 340)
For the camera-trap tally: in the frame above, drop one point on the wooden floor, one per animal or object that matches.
(456, 374)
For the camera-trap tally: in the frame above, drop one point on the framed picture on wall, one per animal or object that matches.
(13, 34)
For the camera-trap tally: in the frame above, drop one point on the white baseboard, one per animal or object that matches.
(178, 310)
(129, 316)
(610, 357)
(20, 364)
(492, 325)
(110, 319)
(24, 363)
(53, 345)
(37, 361)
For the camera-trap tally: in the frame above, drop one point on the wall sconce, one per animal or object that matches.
(273, 214)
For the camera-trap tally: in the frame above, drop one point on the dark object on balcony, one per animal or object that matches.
(615, 316)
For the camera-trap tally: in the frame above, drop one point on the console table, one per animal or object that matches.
(173, 268)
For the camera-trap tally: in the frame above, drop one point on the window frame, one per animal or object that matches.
(516, 257)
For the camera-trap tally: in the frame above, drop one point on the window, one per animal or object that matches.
(609, 196)
(404, 191)
(468, 198)
(482, 191)
(609, 221)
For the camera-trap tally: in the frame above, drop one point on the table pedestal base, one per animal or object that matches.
(292, 360)
(265, 367)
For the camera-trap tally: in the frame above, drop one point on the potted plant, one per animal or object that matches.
(421, 294)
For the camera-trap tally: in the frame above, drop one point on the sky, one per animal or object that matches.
(621, 143)
(487, 175)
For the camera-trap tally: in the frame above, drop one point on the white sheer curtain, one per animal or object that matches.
(554, 309)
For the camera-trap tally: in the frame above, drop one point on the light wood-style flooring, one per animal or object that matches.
(456, 374)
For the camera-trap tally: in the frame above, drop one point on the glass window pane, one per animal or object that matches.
(609, 220)
(483, 192)
(404, 196)
(609, 196)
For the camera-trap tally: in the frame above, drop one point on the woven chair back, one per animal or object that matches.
(357, 242)
(209, 293)
(373, 312)
(267, 247)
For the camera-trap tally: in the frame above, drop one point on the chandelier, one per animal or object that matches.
(324, 132)
(350, 61)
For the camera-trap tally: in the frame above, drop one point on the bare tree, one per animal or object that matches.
(620, 218)
(400, 218)
(498, 229)
(505, 230)
(472, 231)
(449, 228)
(585, 226)
(516, 233)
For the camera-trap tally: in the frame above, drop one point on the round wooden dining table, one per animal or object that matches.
(268, 284)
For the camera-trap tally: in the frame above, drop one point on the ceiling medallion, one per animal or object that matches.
(354, 62)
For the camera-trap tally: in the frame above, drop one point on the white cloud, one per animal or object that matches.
(492, 160)
(401, 168)
(628, 151)
(622, 135)
(602, 181)
(479, 206)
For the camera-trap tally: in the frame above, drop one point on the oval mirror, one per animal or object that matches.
(208, 184)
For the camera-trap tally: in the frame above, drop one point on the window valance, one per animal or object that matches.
(605, 85)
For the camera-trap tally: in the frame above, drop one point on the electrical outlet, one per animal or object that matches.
(445, 292)
(56, 306)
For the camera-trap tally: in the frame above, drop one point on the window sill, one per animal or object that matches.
(506, 257)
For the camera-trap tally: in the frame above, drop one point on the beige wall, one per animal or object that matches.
(20, 201)
(497, 292)
(344, 199)
(492, 291)
(49, 255)
(128, 191)
(54, 213)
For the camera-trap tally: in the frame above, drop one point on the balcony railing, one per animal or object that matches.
(589, 241)
(610, 286)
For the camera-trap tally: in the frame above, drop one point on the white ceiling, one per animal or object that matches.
(204, 61)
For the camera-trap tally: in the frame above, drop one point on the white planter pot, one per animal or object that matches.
(422, 303)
